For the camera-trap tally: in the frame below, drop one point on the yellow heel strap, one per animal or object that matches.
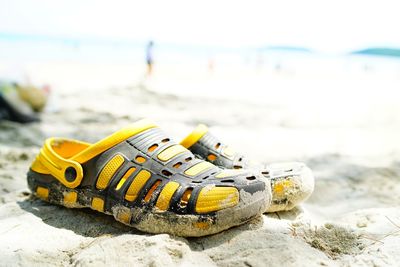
(68, 172)
(194, 136)
(63, 157)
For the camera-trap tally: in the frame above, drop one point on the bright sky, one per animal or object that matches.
(330, 26)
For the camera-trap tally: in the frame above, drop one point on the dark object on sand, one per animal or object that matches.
(8, 112)
(21, 103)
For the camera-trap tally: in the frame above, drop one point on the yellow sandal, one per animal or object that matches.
(146, 180)
(291, 183)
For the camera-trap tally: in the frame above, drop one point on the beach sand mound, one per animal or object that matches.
(334, 240)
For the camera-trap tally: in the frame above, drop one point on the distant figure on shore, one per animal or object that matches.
(211, 64)
(149, 57)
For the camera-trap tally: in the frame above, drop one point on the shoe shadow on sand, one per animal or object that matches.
(89, 223)
(84, 222)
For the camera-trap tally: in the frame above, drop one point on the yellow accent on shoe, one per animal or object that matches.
(57, 163)
(194, 136)
(211, 157)
(228, 173)
(151, 191)
(113, 140)
(171, 152)
(58, 154)
(216, 198)
(152, 148)
(198, 168)
(38, 167)
(140, 180)
(228, 152)
(108, 171)
(281, 186)
(70, 198)
(124, 216)
(140, 159)
(124, 178)
(202, 225)
(177, 165)
(186, 196)
(166, 194)
(42, 192)
(98, 204)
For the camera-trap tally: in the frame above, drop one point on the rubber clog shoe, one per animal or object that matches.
(146, 180)
(291, 183)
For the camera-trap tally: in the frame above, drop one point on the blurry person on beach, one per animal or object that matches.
(149, 57)
(211, 64)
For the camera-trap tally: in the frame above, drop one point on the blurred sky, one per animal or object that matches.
(327, 26)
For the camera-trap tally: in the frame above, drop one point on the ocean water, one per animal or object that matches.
(28, 48)
(267, 75)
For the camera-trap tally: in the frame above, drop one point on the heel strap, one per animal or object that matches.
(68, 172)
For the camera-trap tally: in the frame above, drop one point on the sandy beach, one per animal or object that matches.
(349, 139)
(277, 81)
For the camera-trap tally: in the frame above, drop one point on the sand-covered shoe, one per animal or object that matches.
(291, 182)
(146, 180)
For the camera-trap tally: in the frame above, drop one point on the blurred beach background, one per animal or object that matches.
(311, 81)
(320, 65)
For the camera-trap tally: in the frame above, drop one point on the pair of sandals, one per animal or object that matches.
(146, 180)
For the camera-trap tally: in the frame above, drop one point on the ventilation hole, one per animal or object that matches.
(152, 148)
(240, 159)
(124, 178)
(237, 167)
(70, 174)
(151, 190)
(251, 178)
(197, 182)
(217, 145)
(140, 159)
(166, 173)
(266, 174)
(177, 165)
(213, 173)
(211, 157)
(228, 181)
(188, 159)
(185, 197)
(205, 177)
(165, 140)
(290, 170)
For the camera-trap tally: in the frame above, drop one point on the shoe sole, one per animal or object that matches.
(150, 219)
(291, 184)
